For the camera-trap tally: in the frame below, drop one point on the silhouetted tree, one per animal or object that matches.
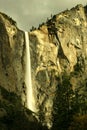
(33, 28)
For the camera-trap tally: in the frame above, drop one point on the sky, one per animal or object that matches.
(28, 13)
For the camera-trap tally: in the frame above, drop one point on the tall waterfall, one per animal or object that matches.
(28, 79)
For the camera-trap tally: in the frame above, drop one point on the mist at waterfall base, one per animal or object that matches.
(28, 79)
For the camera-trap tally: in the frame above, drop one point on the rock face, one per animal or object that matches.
(56, 47)
(11, 55)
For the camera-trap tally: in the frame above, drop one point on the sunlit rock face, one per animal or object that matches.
(57, 47)
(44, 72)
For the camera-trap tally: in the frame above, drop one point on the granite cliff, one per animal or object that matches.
(58, 53)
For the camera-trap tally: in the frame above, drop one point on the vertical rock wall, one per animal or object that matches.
(11, 55)
(57, 47)
(44, 72)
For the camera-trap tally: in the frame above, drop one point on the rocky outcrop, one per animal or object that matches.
(57, 47)
(11, 55)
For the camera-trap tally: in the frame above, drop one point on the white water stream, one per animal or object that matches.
(28, 79)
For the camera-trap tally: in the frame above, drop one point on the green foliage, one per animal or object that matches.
(68, 104)
(80, 103)
(62, 107)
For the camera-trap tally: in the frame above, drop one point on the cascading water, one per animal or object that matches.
(28, 79)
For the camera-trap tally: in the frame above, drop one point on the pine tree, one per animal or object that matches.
(63, 110)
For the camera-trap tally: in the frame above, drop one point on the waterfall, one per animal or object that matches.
(28, 79)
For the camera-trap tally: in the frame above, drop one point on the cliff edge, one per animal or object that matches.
(58, 52)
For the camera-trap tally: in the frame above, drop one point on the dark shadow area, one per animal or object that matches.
(85, 10)
(14, 116)
(18, 121)
(70, 106)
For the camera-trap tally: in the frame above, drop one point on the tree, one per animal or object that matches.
(63, 110)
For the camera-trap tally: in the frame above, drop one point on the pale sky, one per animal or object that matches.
(28, 13)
